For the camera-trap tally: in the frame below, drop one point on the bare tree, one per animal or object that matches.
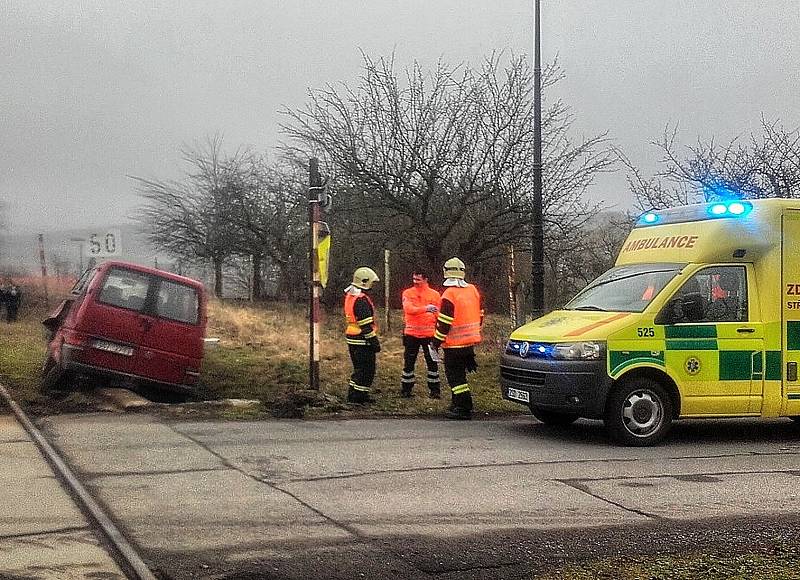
(191, 218)
(269, 213)
(439, 163)
(766, 165)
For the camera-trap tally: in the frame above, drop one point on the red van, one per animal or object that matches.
(132, 324)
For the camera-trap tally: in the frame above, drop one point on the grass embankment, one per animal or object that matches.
(777, 564)
(263, 355)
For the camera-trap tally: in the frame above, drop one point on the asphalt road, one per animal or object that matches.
(426, 498)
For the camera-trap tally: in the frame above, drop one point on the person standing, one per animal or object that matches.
(361, 334)
(420, 306)
(458, 330)
(13, 299)
(2, 299)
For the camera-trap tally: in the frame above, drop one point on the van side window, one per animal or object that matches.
(716, 294)
(177, 302)
(125, 289)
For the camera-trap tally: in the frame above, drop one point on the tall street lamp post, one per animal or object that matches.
(537, 243)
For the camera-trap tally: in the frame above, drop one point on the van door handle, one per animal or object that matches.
(745, 330)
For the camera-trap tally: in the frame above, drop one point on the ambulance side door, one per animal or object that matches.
(712, 346)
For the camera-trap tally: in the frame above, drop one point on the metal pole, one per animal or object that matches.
(537, 243)
(512, 287)
(314, 191)
(43, 263)
(386, 321)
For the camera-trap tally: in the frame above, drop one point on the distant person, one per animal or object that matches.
(12, 298)
(420, 307)
(2, 299)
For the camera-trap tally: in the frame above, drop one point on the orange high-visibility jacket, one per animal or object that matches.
(465, 321)
(418, 322)
(360, 314)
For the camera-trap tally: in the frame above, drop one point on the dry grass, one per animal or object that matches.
(263, 353)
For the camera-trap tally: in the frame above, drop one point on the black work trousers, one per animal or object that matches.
(363, 358)
(411, 345)
(11, 311)
(457, 363)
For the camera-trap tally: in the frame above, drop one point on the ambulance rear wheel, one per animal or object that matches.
(553, 417)
(638, 413)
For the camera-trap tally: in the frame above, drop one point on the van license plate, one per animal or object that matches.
(113, 347)
(518, 395)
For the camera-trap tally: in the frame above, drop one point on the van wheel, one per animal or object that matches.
(54, 377)
(553, 417)
(638, 413)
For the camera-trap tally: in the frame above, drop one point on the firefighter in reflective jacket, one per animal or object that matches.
(420, 305)
(458, 330)
(361, 334)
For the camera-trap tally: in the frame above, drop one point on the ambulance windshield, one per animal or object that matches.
(625, 288)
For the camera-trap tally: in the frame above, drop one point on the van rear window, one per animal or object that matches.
(177, 302)
(125, 289)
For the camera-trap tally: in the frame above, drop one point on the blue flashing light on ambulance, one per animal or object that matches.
(699, 317)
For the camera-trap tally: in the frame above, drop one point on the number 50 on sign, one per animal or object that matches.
(104, 244)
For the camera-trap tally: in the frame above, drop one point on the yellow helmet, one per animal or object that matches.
(454, 268)
(364, 278)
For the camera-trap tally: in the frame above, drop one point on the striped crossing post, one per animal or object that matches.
(314, 193)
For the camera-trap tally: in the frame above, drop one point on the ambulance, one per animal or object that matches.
(699, 317)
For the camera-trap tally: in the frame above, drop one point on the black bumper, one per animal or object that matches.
(579, 387)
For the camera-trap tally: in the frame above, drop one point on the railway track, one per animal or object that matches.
(115, 543)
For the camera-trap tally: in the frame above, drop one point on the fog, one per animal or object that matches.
(96, 91)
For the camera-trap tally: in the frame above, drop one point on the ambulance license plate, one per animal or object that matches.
(518, 395)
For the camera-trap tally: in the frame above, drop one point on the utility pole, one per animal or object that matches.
(80, 254)
(386, 274)
(314, 215)
(43, 263)
(537, 243)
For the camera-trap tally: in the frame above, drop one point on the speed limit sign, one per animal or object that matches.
(105, 244)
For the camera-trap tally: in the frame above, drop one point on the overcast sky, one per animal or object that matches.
(96, 90)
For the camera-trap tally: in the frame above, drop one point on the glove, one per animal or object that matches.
(434, 353)
(374, 343)
(431, 308)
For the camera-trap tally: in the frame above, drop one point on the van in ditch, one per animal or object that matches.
(131, 325)
(699, 317)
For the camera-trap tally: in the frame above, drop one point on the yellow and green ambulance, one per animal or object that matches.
(699, 317)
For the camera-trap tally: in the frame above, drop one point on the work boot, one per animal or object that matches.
(461, 407)
(435, 392)
(358, 397)
(459, 414)
(406, 393)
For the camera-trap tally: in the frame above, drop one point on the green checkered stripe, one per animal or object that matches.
(733, 365)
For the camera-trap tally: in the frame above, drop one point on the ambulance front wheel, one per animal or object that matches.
(638, 413)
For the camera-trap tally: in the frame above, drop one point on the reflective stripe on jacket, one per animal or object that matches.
(465, 325)
(360, 317)
(418, 322)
